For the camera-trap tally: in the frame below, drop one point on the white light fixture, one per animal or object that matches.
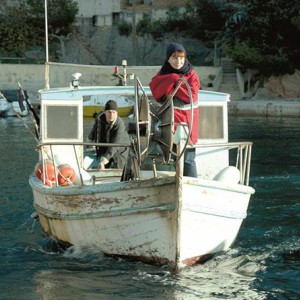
(75, 80)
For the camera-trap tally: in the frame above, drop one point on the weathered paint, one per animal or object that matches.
(139, 219)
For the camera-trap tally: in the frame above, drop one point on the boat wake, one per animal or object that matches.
(50, 246)
(87, 252)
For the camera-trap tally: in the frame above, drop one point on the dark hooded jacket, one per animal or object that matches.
(103, 132)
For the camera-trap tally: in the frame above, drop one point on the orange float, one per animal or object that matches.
(47, 176)
(65, 175)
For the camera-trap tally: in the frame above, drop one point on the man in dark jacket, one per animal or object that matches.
(109, 128)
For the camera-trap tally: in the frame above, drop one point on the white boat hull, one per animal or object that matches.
(124, 219)
(211, 216)
(141, 219)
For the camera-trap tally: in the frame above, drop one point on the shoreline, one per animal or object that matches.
(284, 108)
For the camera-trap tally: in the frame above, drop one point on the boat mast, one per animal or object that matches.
(47, 48)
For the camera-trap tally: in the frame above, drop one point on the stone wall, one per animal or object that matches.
(32, 77)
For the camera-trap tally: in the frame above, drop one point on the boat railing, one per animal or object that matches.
(242, 159)
(47, 150)
(87, 144)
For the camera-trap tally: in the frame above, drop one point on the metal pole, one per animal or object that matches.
(46, 32)
(134, 41)
(47, 48)
(249, 83)
(215, 53)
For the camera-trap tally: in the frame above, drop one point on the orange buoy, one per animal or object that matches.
(66, 175)
(47, 176)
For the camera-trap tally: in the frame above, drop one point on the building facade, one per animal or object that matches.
(106, 13)
(97, 12)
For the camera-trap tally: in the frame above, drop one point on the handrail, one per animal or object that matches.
(227, 145)
(243, 158)
(73, 144)
(88, 144)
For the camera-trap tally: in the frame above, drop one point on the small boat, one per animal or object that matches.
(93, 104)
(4, 106)
(16, 102)
(149, 211)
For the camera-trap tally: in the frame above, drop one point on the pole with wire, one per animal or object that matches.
(47, 86)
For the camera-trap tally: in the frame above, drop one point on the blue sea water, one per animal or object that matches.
(263, 264)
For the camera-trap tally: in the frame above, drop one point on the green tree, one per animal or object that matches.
(16, 33)
(125, 28)
(61, 15)
(266, 39)
(23, 23)
(204, 19)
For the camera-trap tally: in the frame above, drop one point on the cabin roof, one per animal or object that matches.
(73, 94)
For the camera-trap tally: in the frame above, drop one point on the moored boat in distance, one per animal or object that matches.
(93, 104)
(16, 104)
(4, 106)
(149, 211)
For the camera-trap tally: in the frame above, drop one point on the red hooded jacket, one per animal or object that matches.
(163, 85)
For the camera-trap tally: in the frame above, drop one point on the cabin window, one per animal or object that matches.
(211, 122)
(61, 122)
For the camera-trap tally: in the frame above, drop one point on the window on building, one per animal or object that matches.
(115, 18)
(94, 20)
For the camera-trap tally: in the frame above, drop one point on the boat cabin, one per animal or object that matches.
(63, 122)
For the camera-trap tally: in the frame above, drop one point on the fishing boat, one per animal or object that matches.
(4, 106)
(149, 211)
(16, 104)
(93, 104)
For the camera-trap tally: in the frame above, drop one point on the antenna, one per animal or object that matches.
(47, 86)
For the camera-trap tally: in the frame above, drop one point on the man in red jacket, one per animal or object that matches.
(175, 66)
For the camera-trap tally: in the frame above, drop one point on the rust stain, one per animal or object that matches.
(152, 260)
(197, 259)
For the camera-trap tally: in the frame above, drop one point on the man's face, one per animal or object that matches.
(111, 115)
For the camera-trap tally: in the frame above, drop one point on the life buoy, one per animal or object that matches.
(47, 176)
(66, 175)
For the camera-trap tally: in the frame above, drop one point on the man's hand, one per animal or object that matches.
(101, 166)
